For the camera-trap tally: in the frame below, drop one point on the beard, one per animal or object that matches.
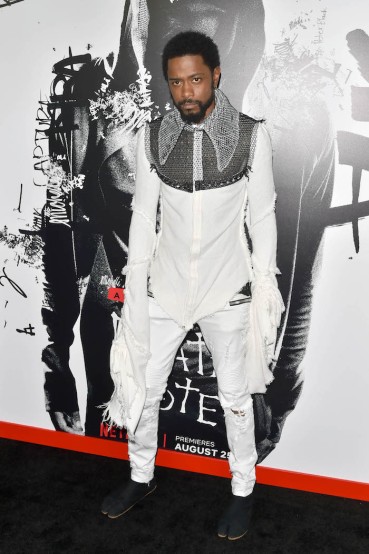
(198, 116)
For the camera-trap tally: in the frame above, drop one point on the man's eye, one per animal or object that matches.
(197, 79)
(175, 83)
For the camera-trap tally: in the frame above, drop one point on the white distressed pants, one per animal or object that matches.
(223, 333)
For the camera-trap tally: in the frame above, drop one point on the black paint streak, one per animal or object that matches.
(18, 209)
(16, 287)
(353, 151)
(7, 3)
(358, 44)
(27, 330)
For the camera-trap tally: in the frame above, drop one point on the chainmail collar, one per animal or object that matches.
(221, 126)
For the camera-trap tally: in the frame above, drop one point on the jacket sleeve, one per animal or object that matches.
(261, 204)
(131, 346)
(142, 240)
(267, 303)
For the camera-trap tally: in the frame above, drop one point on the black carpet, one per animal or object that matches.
(50, 502)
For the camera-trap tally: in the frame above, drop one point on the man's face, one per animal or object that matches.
(191, 84)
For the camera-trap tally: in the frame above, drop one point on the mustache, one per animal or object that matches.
(189, 101)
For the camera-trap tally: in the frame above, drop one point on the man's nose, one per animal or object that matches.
(187, 90)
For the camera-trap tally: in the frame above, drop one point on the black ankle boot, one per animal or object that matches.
(122, 499)
(234, 522)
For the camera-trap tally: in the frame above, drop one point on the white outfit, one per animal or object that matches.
(196, 264)
(198, 261)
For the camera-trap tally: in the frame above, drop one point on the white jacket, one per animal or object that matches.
(196, 264)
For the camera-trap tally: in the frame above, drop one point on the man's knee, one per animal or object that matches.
(153, 398)
(237, 403)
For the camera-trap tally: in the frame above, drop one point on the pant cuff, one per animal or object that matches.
(242, 489)
(141, 477)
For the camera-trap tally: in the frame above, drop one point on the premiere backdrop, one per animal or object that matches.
(78, 79)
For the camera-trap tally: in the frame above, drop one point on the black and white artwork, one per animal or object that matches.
(79, 79)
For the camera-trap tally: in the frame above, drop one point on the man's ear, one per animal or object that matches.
(216, 76)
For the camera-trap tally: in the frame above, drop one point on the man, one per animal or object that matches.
(206, 163)
(92, 246)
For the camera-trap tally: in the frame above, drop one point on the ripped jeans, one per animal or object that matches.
(224, 333)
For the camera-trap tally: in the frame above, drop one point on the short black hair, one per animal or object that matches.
(192, 43)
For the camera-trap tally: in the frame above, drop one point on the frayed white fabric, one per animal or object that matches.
(128, 361)
(265, 317)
